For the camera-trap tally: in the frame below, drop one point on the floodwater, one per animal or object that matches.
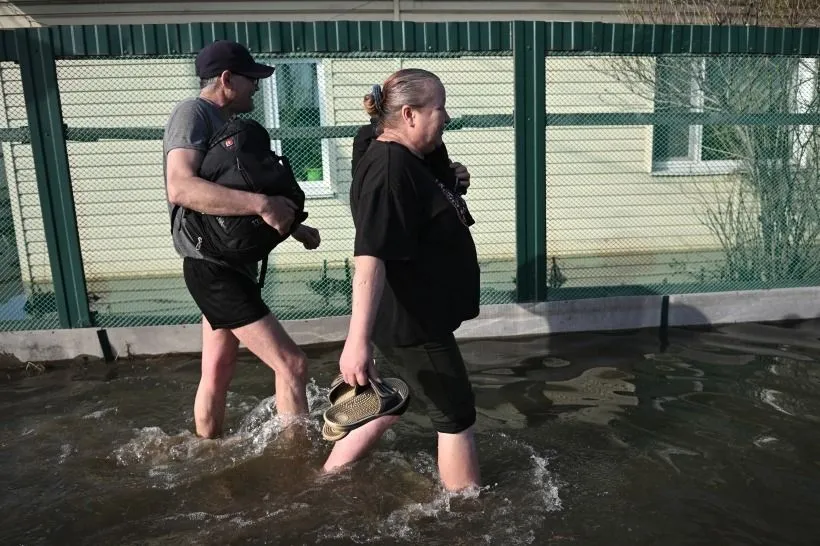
(585, 439)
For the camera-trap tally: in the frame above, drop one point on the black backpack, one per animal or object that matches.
(239, 156)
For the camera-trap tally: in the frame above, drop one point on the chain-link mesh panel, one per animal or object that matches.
(328, 92)
(26, 289)
(480, 97)
(717, 192)
(115, 111)
(667, 174)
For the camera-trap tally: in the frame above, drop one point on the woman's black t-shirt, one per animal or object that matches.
(404, 217)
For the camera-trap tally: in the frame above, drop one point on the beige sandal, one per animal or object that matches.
(352, 407)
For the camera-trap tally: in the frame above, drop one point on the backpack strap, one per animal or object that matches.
(263, 271)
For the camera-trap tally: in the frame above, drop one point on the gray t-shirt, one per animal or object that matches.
(191, 124)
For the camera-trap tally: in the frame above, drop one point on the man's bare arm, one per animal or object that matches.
(187, 189)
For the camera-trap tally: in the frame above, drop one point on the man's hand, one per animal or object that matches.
(356, 363)
(278, 212)
(462, 175)
(308, 236)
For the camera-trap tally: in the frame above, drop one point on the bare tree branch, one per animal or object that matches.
(769, 223)
(778, 13)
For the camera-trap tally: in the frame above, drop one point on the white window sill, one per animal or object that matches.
(691, 168)
(317, 189)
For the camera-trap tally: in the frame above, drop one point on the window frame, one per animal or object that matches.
(314, 189)
(693, 164)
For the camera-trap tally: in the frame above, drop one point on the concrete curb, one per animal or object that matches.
(616, 313)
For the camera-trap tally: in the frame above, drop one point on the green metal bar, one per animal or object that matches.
(15, 134)
(530, 161)
(281, 37)
(334, 37)
(658, 289)
(522, 53)
(91, 134)
(8, 47)
(681, 119)
(538, 143)
(648, 39)
(39, 74)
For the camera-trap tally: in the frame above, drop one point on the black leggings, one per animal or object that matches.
(437, 377)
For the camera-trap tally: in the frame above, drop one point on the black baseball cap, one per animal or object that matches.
(215, 58)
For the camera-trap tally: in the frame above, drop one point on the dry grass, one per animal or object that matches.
(776, 13)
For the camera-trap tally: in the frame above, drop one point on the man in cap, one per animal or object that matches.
(228, 295)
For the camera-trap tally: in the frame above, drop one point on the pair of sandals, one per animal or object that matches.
(352, 407)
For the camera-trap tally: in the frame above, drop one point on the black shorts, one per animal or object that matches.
(227, 297)
(437, 378)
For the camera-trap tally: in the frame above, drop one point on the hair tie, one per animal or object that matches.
(378, 98)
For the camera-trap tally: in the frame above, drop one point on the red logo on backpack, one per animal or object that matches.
(229, 142)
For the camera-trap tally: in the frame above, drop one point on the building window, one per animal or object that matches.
(295, 97)
(738, 85)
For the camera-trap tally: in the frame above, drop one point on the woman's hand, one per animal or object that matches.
(462, 175)
(356, 363)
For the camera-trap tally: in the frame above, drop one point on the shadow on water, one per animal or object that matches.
(706, 437)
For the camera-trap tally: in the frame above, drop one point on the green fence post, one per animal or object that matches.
(38, 70)
(530, 160)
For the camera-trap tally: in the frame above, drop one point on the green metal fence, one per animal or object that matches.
(719, 193)
(605, 159)
(116, 109)
(23, 303)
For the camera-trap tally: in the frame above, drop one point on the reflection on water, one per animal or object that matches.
(584, 439)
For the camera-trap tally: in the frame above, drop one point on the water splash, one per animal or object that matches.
(65, 452)
(99, 414)
(426, 512)
(173, 459)
(770, 397)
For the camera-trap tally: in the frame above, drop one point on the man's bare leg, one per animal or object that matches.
(358, 442)
(219, 349)
(268, 340)
(458, 460)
